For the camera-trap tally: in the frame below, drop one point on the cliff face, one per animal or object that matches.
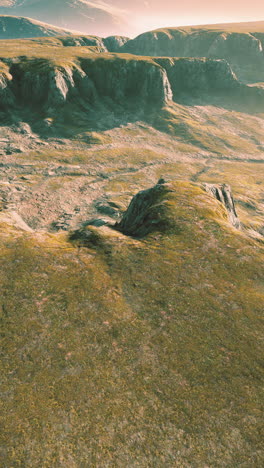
(84, 41)
(190, 74)
(197, 43)
(128, 80)
(6, 95)
(41, 84)
(114, 43)
(240, 49)
(46, 85)
(124, 81)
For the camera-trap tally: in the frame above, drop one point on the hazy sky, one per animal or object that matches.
(149, 14)
(132, 17)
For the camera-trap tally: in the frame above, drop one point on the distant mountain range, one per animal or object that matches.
(80, 15)
(18, 27)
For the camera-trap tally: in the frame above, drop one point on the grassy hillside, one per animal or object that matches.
(243, 27)
(122, 351)
(141, 352)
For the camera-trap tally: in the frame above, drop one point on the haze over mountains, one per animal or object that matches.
(80, 15)
(20, 27)
(113, 17)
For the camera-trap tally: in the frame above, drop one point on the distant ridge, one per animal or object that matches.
(85, 16)
(12, 27)
(240, 44)
(250, 26)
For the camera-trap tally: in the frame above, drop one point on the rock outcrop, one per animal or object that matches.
(43, 84)
(195, 42)
(129, 81)
(189, 74)
(240, 49)
(119, 81)
(84, 41)
(39, 83)
(145, 212)
(223, 193)
(6, 95)
(114, 43)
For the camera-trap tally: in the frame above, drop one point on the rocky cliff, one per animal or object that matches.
(114, 43)
(188, 74)
(128, 80)
(45, 85)
(239, 48)
(197, 42)
(6, 95)
(119, 81)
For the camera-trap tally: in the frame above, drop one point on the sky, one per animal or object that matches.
(151, 14)
(133, 17)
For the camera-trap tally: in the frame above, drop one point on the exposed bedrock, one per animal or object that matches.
(223, 193)
(198, 43)
(129, 82)
(45, 85)
(84, 41)
(148, 210)
(6, 95)
(114, 43)
(189, 74)
(145, 212)
(123, 80)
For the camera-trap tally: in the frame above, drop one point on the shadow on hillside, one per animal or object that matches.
(78, 116)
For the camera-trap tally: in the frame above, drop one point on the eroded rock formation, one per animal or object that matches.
(223, 193)
(145, 212)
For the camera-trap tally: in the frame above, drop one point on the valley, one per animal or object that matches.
(131, 299)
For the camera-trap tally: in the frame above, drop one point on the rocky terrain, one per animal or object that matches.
(240, 45)
(131, 257)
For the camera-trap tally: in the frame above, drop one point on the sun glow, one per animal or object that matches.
(147, 23)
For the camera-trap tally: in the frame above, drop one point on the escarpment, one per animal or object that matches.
(84, 41)
(43, 84)
(188, 74)
(240, 49)
(197, 42)
(114, 43)
(129, 80)
(118, 82)
(40, 83)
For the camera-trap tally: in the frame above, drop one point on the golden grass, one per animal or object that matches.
(134, 353)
